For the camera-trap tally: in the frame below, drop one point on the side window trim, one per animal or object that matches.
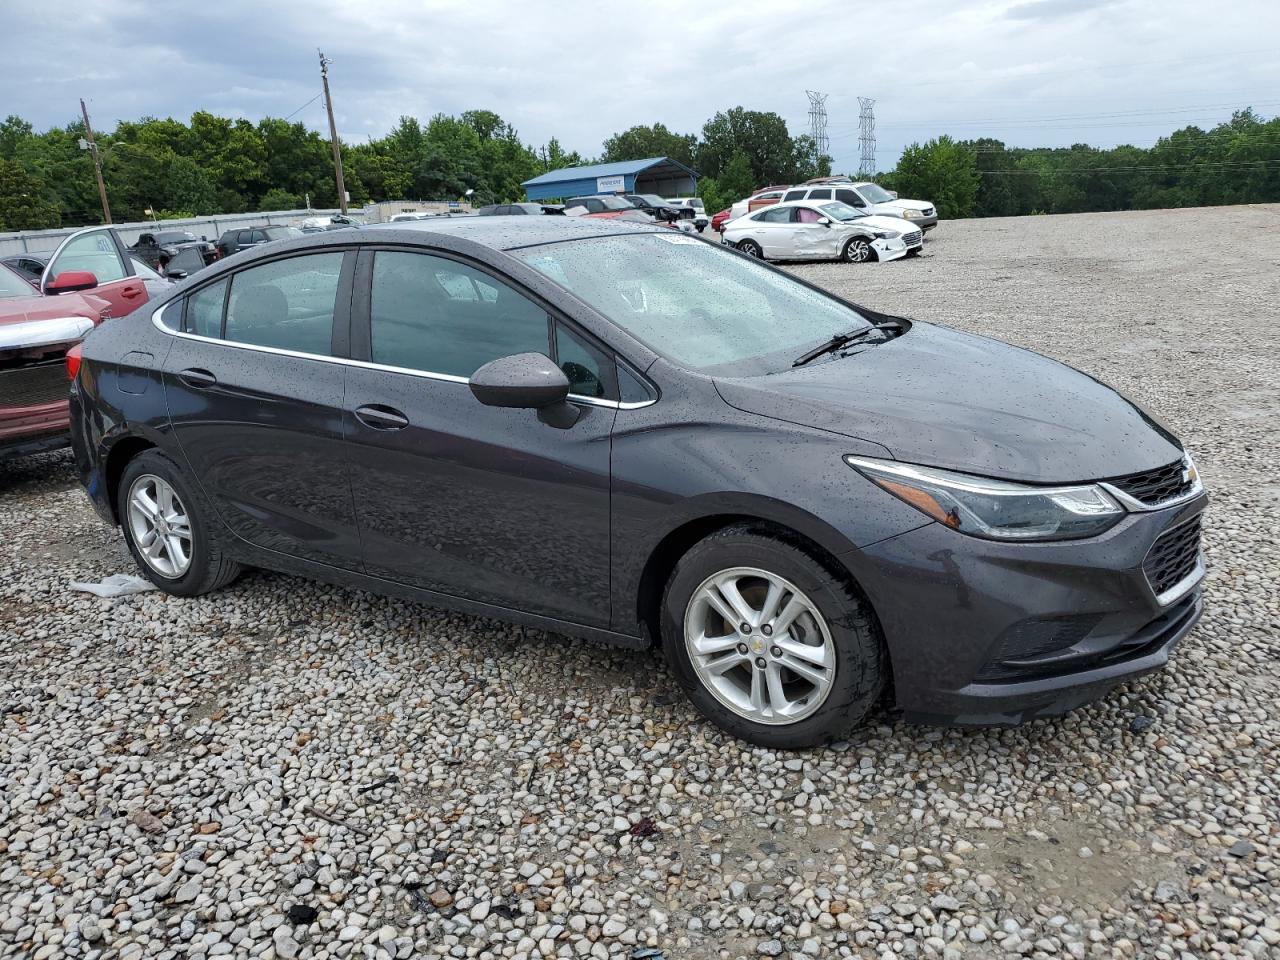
(340, 331)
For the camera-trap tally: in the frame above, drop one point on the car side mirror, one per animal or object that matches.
(71, 281)
(523, 380)
(893, 194)
(176, 274)
(825, 221)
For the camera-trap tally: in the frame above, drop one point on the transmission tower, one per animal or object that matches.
(867, 136)
(818, 121)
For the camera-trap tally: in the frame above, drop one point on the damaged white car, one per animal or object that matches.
(815, 230)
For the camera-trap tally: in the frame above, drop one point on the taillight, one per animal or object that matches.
(73, 362)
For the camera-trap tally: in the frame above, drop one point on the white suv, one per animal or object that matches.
(691, 209)
(869, 198)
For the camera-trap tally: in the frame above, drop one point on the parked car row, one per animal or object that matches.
(497, 415)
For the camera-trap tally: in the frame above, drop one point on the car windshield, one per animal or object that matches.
(701, 306)
(654, 199)
(176, 236)
(875, 194)
(12, 285)
(840, 211)
(281, 233)
(616, 203)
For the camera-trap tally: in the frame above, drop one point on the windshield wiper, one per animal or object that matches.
(842, 340)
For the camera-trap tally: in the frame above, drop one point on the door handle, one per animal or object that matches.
(130, 293)
(379, 417)
(199, 379)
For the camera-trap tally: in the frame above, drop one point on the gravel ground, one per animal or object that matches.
(291, 770)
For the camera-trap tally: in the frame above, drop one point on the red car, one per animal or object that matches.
(720, 219)
(89, 278)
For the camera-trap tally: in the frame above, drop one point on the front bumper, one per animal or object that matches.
(991, 633)
(923, 223)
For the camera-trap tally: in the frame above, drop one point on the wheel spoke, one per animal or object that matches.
(777, 697)
(769, 609)
(738, 603)
(147, 506)
(706, 646)
(797, 666)
(817, 656)
(759, 694)
(723, 665)
(177, 551)
(795, 606)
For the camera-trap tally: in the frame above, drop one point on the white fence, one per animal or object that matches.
(46, 241)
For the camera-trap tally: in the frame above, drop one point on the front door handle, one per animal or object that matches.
(379, 417)
(197, 378)
(130, 293)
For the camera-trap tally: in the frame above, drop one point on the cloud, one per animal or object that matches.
(1052, 9)
(567, 70)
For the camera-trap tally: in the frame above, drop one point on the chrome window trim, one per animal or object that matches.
(365, 364)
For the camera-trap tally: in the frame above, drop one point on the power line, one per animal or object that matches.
(304, 106)
(1142, 111)
(1183, 168)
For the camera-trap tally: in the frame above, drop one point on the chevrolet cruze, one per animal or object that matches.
(618, 432)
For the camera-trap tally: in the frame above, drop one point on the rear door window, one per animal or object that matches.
(794, 195)
(823, 194)
(286, 304)
(204, 310)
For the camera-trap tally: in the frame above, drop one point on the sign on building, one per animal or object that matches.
(611, 184)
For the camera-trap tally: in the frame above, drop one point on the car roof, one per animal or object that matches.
(509, 233)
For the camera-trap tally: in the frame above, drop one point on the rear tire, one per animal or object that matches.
(833, 640)
(184, 560)
(751, 249)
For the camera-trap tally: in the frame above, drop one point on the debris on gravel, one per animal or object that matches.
(286, 769)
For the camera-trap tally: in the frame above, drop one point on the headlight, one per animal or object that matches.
(886, 234)
(912, 214)
(995, 509)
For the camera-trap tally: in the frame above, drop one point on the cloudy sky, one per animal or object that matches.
(1028, 71)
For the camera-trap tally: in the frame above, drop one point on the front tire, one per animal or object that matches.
(167, 525)
(858, 250)
(751, 249)
(814, 664)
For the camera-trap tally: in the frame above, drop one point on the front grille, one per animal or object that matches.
(911, 239)
(1173, 557)
(1154, 487)
(33, 384)
(928, 211)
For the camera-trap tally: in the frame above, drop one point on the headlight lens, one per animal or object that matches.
(995, 509)
(886, 234)
(912, 214)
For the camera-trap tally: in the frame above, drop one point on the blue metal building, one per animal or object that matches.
(660, 175)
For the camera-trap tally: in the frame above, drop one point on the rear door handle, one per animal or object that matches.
(379, 417)
(197, 378)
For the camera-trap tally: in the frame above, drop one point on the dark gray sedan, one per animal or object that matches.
(623, 433)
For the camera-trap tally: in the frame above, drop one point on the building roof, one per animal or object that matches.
(621, 168)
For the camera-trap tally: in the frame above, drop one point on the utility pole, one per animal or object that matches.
(97, 162)
(333, 134)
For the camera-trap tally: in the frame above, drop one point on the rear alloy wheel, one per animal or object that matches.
(751, 249)
(770, 644)
(858, 250)
(166, 523)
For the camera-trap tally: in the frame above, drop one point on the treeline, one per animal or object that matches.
(1234, 162)
(219, 165)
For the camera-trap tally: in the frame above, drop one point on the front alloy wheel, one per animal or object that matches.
(858, 250)
(160, 527)
(759, 645)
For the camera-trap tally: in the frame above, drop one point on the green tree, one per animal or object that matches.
(940, 170)
(641, 143)
(23, 204)
(761, 137)
(278, 199)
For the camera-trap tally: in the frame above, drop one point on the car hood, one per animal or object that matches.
(882, 222)
(941, 398)
(22, 309)
(904, 205)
